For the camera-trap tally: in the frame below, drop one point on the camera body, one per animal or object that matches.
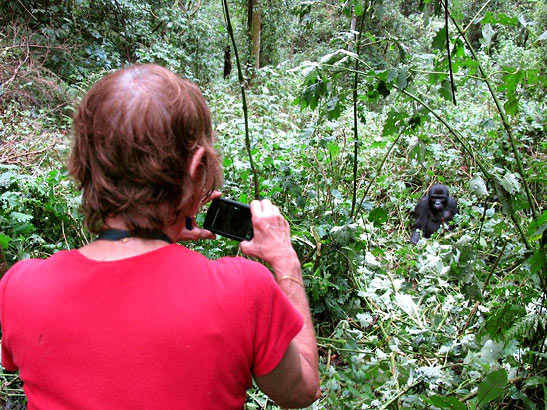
(230, 219)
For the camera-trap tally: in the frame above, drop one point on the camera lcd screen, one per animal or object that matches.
(229, 218)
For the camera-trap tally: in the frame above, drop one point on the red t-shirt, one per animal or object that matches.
(168, 329)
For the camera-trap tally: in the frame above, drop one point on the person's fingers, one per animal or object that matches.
(214, 195)
(256, 208)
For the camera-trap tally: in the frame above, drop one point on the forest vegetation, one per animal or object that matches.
(344, 113)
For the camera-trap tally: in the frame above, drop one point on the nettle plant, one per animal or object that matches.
(38, 214)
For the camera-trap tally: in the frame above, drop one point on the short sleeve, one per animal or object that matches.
(6, 357)
(273, 321)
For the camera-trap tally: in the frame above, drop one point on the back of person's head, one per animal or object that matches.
(134, 134)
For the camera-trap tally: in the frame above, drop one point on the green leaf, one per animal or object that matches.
(492, 387)
(359, 7)
(447, 403)
(401, 80)
(537, 227)
(382, 89)
(439, 42)
(4, 240)
(446, 90)
(393, 123)
(536, 381)
(417, 151)
(334, 148)
(499, 18)
(510, 183)
(18, 217)
(537, 261)
(511, 106)
(378, 216)
(478, 186)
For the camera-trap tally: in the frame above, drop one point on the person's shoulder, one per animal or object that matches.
(179, 252)
(253, 274)
(247, 266)
(22, 266)
(18, 273)
(30, 266)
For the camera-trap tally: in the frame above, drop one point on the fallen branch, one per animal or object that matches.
(24, 154)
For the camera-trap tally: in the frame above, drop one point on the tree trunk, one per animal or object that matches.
(3, 264)
(255, 31)
(352, 30)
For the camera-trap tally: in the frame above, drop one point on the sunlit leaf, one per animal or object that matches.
(478, 186)
(499, 18)
(4, 240)
(447, 403)
(511, 106)
(359, 7)
(487, 35)
(511, 183)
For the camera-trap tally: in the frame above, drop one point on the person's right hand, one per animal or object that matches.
(271, 235)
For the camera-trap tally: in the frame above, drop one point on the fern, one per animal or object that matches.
(526, 326)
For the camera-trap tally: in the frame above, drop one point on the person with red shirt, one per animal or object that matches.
(134, 320)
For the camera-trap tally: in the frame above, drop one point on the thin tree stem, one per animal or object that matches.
(355, 120)
(365, 193)
(504, 120)
(243, 98)
(452, 86)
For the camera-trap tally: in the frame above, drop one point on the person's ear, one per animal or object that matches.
(195, 162)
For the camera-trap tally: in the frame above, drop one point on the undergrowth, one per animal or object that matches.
(456, 322)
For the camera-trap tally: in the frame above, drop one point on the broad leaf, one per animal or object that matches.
(487, 35)
(447, 403)
(511, 183)
(478, 186)
(499, 18)
(511, 106)
(4, 240)
(492, 387)
(378, 216)
(439, 42)
(537, 261)
(359, 7)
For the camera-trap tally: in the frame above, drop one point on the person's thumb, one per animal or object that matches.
(246, 247)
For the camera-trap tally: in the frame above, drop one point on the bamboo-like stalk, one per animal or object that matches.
(504, 119)
(243, 98)
(452, 86)
(355, 121)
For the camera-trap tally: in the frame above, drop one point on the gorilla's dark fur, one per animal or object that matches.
(433, 210)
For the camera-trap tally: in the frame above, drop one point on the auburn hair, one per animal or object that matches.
(134, 134)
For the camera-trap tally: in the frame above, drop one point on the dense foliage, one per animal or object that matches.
(363, 106)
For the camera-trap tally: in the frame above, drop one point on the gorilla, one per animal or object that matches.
(433, 210)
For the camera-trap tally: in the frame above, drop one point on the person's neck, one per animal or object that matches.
(103, 250)
(118, 223)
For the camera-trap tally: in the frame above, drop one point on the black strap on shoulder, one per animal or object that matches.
(117, 234)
